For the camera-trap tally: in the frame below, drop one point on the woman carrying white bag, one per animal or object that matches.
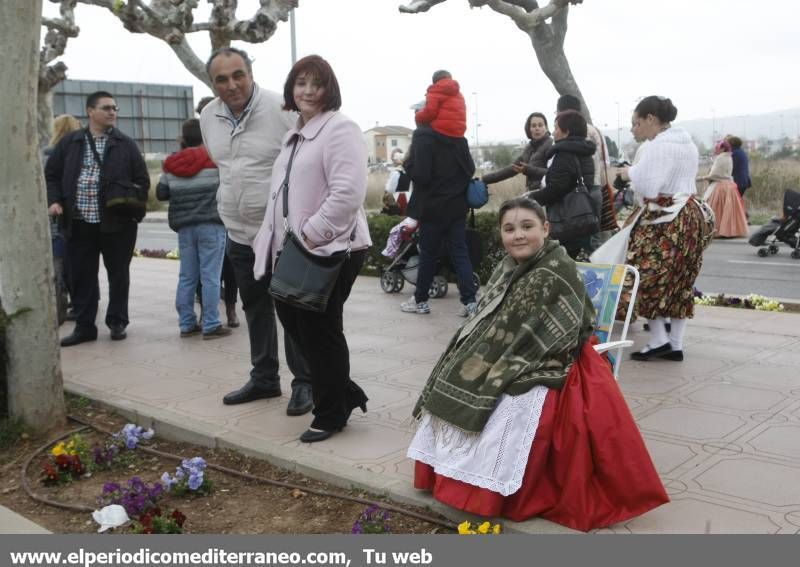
(667, 238)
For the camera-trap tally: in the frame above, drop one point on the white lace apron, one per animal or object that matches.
(495, 458)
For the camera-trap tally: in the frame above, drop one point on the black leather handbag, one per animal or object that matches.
(300, 278)
(574, 216)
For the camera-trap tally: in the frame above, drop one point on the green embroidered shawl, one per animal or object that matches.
(530, 322)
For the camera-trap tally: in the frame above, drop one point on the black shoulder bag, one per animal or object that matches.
(121, 197)
(574, 216)
(300, 278)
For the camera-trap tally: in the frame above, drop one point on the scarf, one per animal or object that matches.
(527, 329)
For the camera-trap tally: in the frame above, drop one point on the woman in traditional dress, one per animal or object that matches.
(723, 196)
(521, 417)
(667, 242)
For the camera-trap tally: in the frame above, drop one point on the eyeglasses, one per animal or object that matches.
(109, 108)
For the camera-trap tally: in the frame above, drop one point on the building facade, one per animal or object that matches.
(383, 140)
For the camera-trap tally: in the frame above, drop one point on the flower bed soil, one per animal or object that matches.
(235, 506)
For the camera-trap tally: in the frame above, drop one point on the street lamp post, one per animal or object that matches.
(619, 130)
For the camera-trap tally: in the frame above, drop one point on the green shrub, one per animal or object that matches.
(485, 224)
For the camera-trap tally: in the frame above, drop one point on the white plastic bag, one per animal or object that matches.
(615, 249)
(112, 516)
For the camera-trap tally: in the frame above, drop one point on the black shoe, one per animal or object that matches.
(117, 332)
(300, 402)
(312, 436)
(674, 355)
(643, 355)
(79, 336)
(250, 392)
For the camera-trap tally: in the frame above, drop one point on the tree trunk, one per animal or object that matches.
(548, 44)
(44, 116)
(27, 289)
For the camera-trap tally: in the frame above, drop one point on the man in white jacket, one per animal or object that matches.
(242, 131)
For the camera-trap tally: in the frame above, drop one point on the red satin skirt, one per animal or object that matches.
(588, 467)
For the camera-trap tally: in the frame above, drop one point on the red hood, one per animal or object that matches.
(448, 87)
(188, 162)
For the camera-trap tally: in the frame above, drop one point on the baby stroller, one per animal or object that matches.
(786, 229)
(59, 252)
(405, 263)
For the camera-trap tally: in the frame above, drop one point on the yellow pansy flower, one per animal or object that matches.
(464, 528)
(496, 529)
(58, 449)
(484, 528)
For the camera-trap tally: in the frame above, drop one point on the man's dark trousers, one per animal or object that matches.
(431, 236)
(86, 244)
(259, 312)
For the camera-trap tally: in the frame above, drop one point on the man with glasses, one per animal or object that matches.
(242, 130)
(81, 166)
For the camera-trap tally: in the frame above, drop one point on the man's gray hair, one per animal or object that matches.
(228, 51)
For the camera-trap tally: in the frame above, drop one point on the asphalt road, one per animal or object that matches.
(729, 266)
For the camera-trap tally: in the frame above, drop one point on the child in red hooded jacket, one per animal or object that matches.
(445, 110)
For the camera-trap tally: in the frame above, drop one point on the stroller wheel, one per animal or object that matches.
(438, 287)
(399, 282)
(389, 281)
(795, 254)
(763, 252)
(773, 249)
(476, 280)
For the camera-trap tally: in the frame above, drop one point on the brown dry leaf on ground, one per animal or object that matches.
(235, 506)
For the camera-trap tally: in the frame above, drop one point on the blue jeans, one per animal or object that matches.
(202, 247)
(431, 236)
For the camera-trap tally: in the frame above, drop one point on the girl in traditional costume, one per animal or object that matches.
(521, 417)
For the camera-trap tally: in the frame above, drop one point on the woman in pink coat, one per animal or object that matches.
(327, 186)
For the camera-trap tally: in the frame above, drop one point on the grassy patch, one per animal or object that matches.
(11, 429)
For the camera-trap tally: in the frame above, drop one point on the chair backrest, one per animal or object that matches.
(604, 285)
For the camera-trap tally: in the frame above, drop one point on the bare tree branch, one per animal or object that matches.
(171, 20)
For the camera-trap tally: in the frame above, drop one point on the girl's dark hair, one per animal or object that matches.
(521, 203)
(528, 123)
(573, 122)
(659, 106)
(316, 67)
(735, 141)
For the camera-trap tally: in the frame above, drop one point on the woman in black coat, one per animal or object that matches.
(571, 157)
(533, 161)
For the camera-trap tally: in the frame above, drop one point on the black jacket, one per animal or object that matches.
(572, 156)
(122, 161)
(440, 167)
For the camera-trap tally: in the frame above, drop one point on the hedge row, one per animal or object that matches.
(485, 224)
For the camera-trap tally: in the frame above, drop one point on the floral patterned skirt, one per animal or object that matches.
(668, 256)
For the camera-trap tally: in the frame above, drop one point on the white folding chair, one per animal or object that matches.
(605, 284)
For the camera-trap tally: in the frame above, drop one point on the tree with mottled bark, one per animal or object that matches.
(27, 290)
(168, 20)
(545, 26)
(173, 20)
(59, 30)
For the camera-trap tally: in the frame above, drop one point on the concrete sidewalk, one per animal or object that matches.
(13, 523)
(722, 426)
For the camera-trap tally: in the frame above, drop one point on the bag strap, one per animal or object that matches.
(603, 154)
(94, 148)
(285, 189)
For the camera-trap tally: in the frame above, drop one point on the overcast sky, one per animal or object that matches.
(712, 57)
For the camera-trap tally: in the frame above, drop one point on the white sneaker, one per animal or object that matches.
(411, 306)
(468, 309)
